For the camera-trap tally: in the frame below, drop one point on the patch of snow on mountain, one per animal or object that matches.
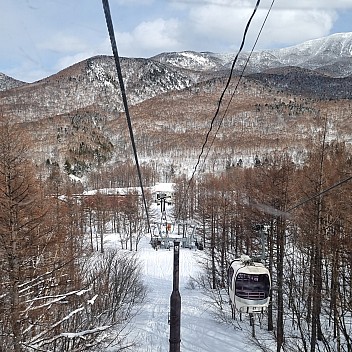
(197, 59)
(7, 82)
(334, 46)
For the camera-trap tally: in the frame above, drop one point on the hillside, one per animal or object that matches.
(76, 118)
(7, 82)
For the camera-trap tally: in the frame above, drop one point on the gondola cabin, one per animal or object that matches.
(249, 285)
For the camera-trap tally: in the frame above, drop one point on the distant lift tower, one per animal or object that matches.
(162, 197)
(175, 304)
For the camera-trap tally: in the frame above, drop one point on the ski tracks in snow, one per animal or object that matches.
(199, 331)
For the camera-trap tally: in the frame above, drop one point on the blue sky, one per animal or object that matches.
(40, 37)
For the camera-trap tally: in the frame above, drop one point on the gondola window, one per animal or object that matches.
(252, 286)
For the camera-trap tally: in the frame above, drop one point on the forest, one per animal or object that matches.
(307, 239)
(57, 292)
(62, 291)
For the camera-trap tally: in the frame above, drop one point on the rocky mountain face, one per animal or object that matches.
(76, 116)
(7, 82)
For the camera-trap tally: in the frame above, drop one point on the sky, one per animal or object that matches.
(41, 37)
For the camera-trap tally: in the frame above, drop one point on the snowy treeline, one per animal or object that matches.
(56, 294)
(308, 241)
(61, 290)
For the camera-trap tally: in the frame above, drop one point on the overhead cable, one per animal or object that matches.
(110, 27)
(320, 193)
(219, 102)
(286, 213)
(225, 89)
(239, 80)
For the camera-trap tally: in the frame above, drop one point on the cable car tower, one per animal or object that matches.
(167, 232)
(162, 197)
(161, 238)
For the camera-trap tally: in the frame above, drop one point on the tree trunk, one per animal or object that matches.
(15, 316)
(280, 281)
(270, 268)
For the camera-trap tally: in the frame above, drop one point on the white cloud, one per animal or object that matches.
(284, 26)
(157, 34)
(69, 60)
(313, 4)
(50, 36)
(149, 38)
(285, 4)
(29, 71)
(295, 26)
(134, 2)
(217, 21)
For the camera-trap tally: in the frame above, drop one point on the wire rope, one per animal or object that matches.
(110, 27)
(225, 89)
(320, 193)
(218, 106)
(239, 80)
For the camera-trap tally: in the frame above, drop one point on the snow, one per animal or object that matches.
(338, 45)
(201, 330)
(197, 59)
(83, 333)
(163, 187)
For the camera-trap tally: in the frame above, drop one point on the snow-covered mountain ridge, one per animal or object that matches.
(319, 53)
(7, 82)
(331, 55)
(76, 115)
(93, 82)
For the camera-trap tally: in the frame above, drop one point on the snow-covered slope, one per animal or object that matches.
(7, 82)
(200, 332)
(331, 54)
(334, 46)
(318, 52)
(191, 60)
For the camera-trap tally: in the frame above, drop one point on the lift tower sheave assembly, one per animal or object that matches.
(175, 304)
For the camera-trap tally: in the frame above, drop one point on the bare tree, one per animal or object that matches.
(22, 237)
(50, 297)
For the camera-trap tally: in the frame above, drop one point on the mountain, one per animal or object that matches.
(330, 55)
(310, 83)
(76, 115)
(321, 54)
(93, 82)
(7, 82)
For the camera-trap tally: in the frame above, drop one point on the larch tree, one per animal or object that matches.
(52, 294)
(22, 235)
(324, 223)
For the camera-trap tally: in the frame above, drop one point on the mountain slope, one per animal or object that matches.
(317, 53)
(7, 82)
(93, 82)
(306, 82)
(330, 55)
(76, 116)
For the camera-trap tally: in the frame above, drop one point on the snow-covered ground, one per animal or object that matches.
(200, 332)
